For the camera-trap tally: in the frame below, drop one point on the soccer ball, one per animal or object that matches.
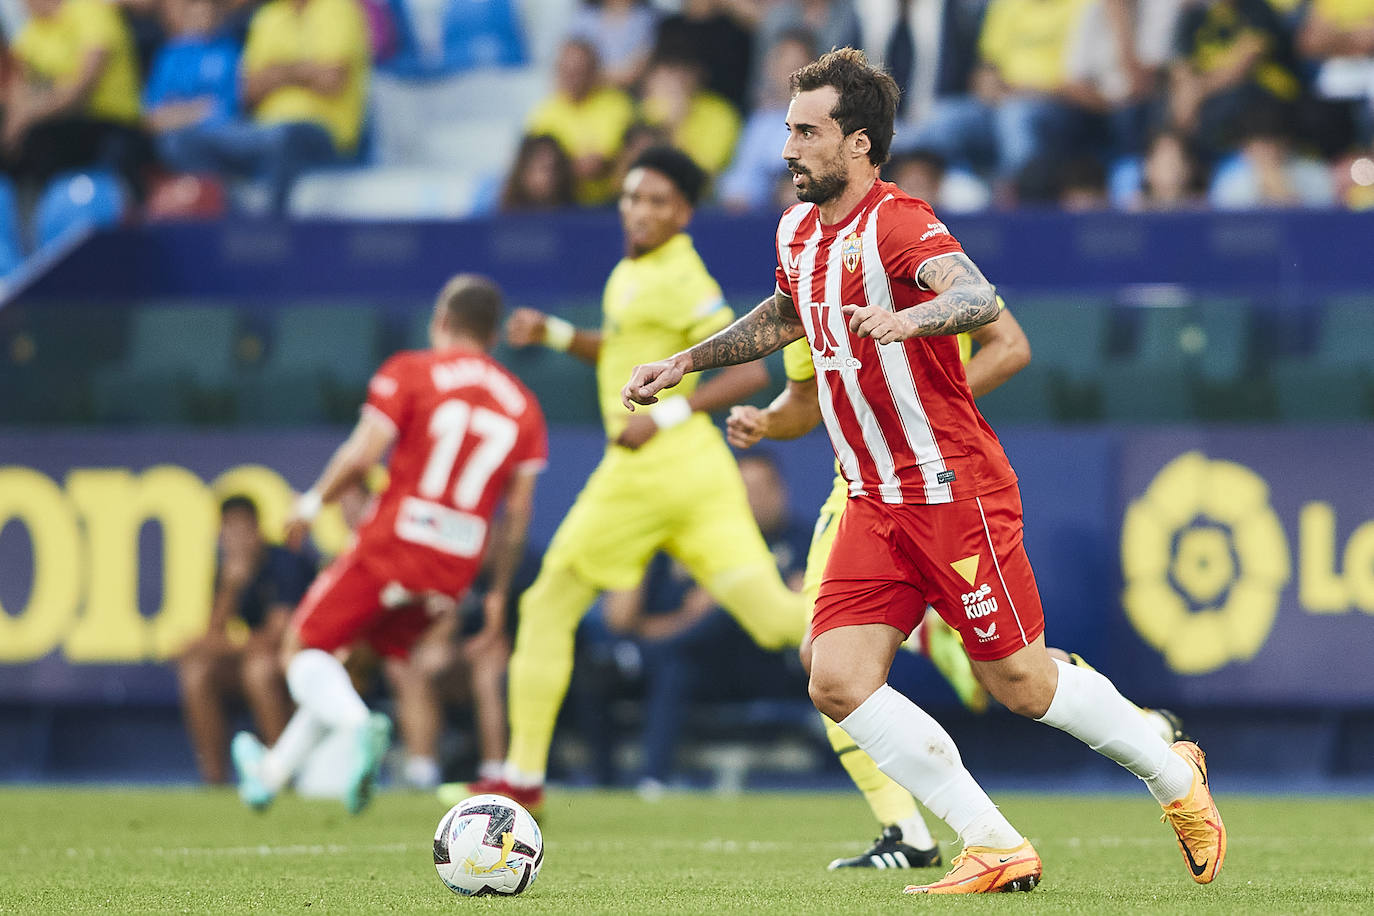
(488, 844)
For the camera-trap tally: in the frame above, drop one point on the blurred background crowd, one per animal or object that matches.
(449, 108)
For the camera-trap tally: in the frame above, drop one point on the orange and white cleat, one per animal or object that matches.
(1201, 834)
(984, 870)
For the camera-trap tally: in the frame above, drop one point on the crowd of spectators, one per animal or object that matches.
(1085, 104)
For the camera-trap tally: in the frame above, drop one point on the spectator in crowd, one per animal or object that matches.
(926, 175)
(1018, 111)
(1082, 185)
(700, 123)
(257, 586)
(1338, 37)
(758, 163)
(587, 118)
(638, 138)
(303, 79)
(716, 35)
(1269, 172)
(1172, 179)
(830, 23)
(541, 177)
(1116, 64)
(73, 103)
(929, 46)
(1231, 57)
(622, 31)
(194, 80)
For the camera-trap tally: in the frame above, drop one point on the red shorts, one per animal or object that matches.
(345, 604)
(964, 558)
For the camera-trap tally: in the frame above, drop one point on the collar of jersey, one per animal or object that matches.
(879, 187)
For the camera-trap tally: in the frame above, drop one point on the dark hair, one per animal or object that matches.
(472, 305)
(677, 167)
(516, 196)
(238, 503)
(868, 96)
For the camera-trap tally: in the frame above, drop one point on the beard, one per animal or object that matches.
(821, 188)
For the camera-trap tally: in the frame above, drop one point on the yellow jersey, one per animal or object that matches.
(328, 32)
(653, 306)
(54, 48)
(1027, 41)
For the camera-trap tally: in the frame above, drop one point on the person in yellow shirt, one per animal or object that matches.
(1016, 112)
(699, 122)
(303, 82)
(667, 482)
(587, 118)
(74, 103)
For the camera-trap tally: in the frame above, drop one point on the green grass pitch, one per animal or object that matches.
(198, 851)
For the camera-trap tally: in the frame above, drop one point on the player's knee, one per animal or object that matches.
(195, 672)
(1024, 692)
(835, 697)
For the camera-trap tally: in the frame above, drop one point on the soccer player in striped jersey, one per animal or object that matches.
(1002, 351)
(879, 287)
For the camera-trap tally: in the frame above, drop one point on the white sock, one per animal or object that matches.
(522, 779)
(302, 733)
(421, 772)
(915, 832)
(911, 747)
(319, 683)
(1087, 706)
(491, 769)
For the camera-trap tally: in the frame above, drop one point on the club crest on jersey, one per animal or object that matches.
(853, 250)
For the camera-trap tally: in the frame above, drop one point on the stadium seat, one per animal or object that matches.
(318, 363)
(1066, 333)
(78, 200)
(11, 246)
(384, 193)
(495, 97)
(1027, 397)
(1142, 392)
(184, 197)
(174, 356)
(446, 36)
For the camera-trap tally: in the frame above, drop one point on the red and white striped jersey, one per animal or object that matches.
(901, 416)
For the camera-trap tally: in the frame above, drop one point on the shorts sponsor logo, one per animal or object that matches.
(987, 635)
(979, 602)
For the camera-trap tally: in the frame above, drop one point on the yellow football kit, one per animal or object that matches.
(680, 493)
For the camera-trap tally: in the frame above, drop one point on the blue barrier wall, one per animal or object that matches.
(1200, 566)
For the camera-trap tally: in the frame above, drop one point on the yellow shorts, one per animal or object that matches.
(686, 501)
(822, 539)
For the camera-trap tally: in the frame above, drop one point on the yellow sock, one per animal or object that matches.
(890, 803)
(541, 665)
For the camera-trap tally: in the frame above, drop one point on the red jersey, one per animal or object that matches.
(900, 416)
(464, 425)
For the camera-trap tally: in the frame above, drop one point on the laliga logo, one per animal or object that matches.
(1204, 560)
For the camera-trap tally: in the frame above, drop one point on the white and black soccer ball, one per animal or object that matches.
(488, 844)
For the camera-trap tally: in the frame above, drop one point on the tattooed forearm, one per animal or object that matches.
(772, 325)
(965, 299)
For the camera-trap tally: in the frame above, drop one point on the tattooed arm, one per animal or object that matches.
(772, 325)
(965, 300)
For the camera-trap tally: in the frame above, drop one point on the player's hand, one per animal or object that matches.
(745, 426)
(637, 432)
(525, 328)
(492, 637)
(649, 379)
(880, 324)
(296, 530)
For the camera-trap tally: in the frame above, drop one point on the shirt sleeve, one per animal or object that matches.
(388, 394)
(341, 37)
(796, 358)
(531, 451)
(97, 26)
(909, 235)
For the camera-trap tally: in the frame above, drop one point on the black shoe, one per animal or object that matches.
(888, 851)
